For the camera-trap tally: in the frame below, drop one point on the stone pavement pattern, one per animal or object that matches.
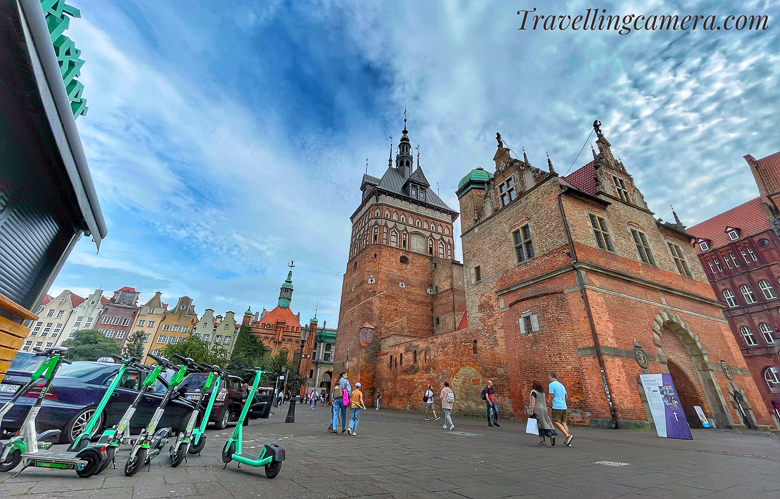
(398, 454)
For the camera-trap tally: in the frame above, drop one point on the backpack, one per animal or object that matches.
(338, 392)
(483, 394)
(425, 399)
(450, 398)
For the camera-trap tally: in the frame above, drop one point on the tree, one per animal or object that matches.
(194, 348)
(89, 344)
(248, 352)
(134, 346)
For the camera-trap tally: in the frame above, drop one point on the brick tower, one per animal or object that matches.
(401, 281)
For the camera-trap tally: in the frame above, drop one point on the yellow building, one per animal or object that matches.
(175, 326)
(149, 319)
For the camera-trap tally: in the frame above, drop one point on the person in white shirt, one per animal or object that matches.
(428, 397)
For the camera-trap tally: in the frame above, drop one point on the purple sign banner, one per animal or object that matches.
(665, 406)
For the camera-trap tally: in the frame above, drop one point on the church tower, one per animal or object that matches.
(401, 279)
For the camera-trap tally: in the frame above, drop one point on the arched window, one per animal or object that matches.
(403, 219)
(376, 234)
(403, 242)
(395, 216)
(748, 335)
(404, 260)
(766, 288)
(729, 296)
(376, 213)
(425, 225)
(441, 249)
(772, 377)
(748, 294)
(441, 228)
(418, 223)
(449, 252)
(447, 231)
(394, 238)
(474, 345)
(387, 213)
(766, 332)
(384, 236)
(430, 247)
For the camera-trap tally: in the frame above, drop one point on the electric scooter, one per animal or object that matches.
(11, 450)
(76, 453)
(192, 435)
(272, 454)
(112, 437)
(199, 434)
(151, 441)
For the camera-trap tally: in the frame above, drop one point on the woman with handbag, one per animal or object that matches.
(539, 411)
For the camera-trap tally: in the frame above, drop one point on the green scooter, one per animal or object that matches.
(271, 456)
(199, 434)
(151, 441)
(112, 437)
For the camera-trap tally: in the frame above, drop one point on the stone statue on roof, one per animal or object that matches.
(597, 128)
(500, 142)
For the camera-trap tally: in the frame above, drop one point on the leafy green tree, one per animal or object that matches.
(248, 352)
(89, 344)
(194, 348)
(134, 346)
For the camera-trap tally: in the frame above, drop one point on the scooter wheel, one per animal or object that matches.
(177, 457)
(93, 459)
(134, 463)
(272, 469)
(110, 452)
(196, 448)
(12, 461)
(228, 450)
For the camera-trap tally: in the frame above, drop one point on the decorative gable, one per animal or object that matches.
(733, 233)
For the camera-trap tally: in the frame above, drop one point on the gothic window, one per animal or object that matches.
(449, 252)
(404, 240)
(620, 188)
(376, 213)
(430, 247)
(601, 232)
(766, 332)
(425, 225)
(748, 294)
(752, 255)
(403, 219)
(441, 249)
(418, 223)
(643, 248)
(750, 340)
(395, 216)
(376, 235)
(717, 264)
(772, 378)
(447, 231)
(679, 259)
(394, 238)
(744, 256)
(524, 245)
(384, 236)
(766, 288)
(387, 213)
(734, 260)
(506, 191)
(441, 227)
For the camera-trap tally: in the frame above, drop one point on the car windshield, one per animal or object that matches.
(194, 381)
(79, 369)
(26, 363)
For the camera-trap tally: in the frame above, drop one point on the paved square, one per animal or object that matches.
(399, 454)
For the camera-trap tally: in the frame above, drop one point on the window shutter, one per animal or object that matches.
(521, 322)
(534, 323)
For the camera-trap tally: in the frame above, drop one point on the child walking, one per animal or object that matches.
(355, 403)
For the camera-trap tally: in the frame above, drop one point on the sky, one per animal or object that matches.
(226, 139)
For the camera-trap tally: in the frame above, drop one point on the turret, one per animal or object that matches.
(286, 291)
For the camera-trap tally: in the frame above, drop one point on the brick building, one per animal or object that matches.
(574, 275)
(118, 315)
(740, 252)
(401, 280)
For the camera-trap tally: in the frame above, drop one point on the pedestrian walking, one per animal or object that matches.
(489, 396)
(539, 411)
(447, 402)
(378, 398)
(557, 393)
(336, 394)
(355, 403)
(313, 399)
(340, 401)
(428, 398)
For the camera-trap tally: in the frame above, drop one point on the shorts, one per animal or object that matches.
(558, 415)
(429, 406)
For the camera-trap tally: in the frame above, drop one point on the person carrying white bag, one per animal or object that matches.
(540, 419)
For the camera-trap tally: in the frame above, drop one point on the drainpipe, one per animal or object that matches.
(584, 296)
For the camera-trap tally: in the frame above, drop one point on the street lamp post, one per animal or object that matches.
(294, 390)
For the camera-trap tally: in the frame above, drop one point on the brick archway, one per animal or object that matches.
(666, 321)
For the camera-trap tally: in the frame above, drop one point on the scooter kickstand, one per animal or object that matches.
(20, 471)
(225, 467)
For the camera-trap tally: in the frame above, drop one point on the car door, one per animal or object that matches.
(123, 395)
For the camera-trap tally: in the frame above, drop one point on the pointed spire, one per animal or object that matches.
(390, 160)
(418, 155)
(405, 131)
(549, 163)
(366, 166)
(677, 219)
(525, 158)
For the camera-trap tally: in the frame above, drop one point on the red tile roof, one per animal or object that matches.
(280, 314)
(47, 299)
(582, 179)
(464, 322)
(770, 172)
(104, 300)
(748, 217)
(125, 288)
(76, 300)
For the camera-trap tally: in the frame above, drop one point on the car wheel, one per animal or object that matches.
(222, 422)
(78, 424)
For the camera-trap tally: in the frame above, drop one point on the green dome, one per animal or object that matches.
(475, 176)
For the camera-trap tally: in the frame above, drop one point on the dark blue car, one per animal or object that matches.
(76, 392)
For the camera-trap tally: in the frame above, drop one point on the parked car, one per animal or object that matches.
(75, 393)
(229, 401)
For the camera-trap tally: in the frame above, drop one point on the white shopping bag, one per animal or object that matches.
(531, 427)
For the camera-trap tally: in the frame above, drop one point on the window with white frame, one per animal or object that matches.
(226, 326)
(181, 338)
(524, 245)
(141, 322)
(733, 235)
(37, 327)
(60, 314)
(704, 246)
(642, 247)
(27, 345)
(750, 340)
(50, 313)
(728, 262)
(748, 294)
(766, 332)
(106, 320)
(227, 340)
(175, 328)
(102, 330)
(185, 329)
(126, 321)
(115, 321)
(172, 340)
(752, 255)
(766, 288)
(601, 232)
(89, 321)
(162, 338)
(166, 327)
(206, 337)
(78, 322)
(146, 337)
(110, 333)
(120, 334)
(679, 259)
(48, 327)
(772, 377)
(717, 264)
(150, 324)
(730, 300)
(58, 327)
(218, 339)
(620, 188)
(712, 267)
(506, 191)
(734, 260)
(38, 344)
(744, 256)
(49, 344)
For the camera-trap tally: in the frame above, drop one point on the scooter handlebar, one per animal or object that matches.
(162, 361)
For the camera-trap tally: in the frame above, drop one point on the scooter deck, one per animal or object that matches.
(53, 457)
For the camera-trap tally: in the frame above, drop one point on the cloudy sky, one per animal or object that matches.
(228, 138)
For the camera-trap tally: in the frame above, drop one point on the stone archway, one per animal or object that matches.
(742, 406)
(686, 391)
(666, 321)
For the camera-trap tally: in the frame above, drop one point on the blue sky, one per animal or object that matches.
(227, 138)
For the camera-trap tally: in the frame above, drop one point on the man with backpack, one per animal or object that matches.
(447, 402)
(341, 392)
(489, 396)
(428, 399)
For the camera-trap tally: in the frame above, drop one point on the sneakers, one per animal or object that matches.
(452, 427)
(496, 424)
(568, 440)
(552, 441)
(343, 430)
(354, 434)
(445, 427)
(490, 424)
(331, 430)
(427, 419)
(349, 431)
(438, 418)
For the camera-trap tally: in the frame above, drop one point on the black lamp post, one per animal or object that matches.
(294, 390)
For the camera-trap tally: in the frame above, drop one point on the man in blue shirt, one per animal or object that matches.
(557, 392)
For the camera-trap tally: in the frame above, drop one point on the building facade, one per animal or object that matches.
(575, 275)
(221, 331)
(148, 320)
(401, 280)
(321, 371)
(118, 315)
(175, 325)
(53, 315)
(85, 316)
(740, 252)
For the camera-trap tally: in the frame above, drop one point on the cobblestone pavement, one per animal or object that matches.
(399, 454)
